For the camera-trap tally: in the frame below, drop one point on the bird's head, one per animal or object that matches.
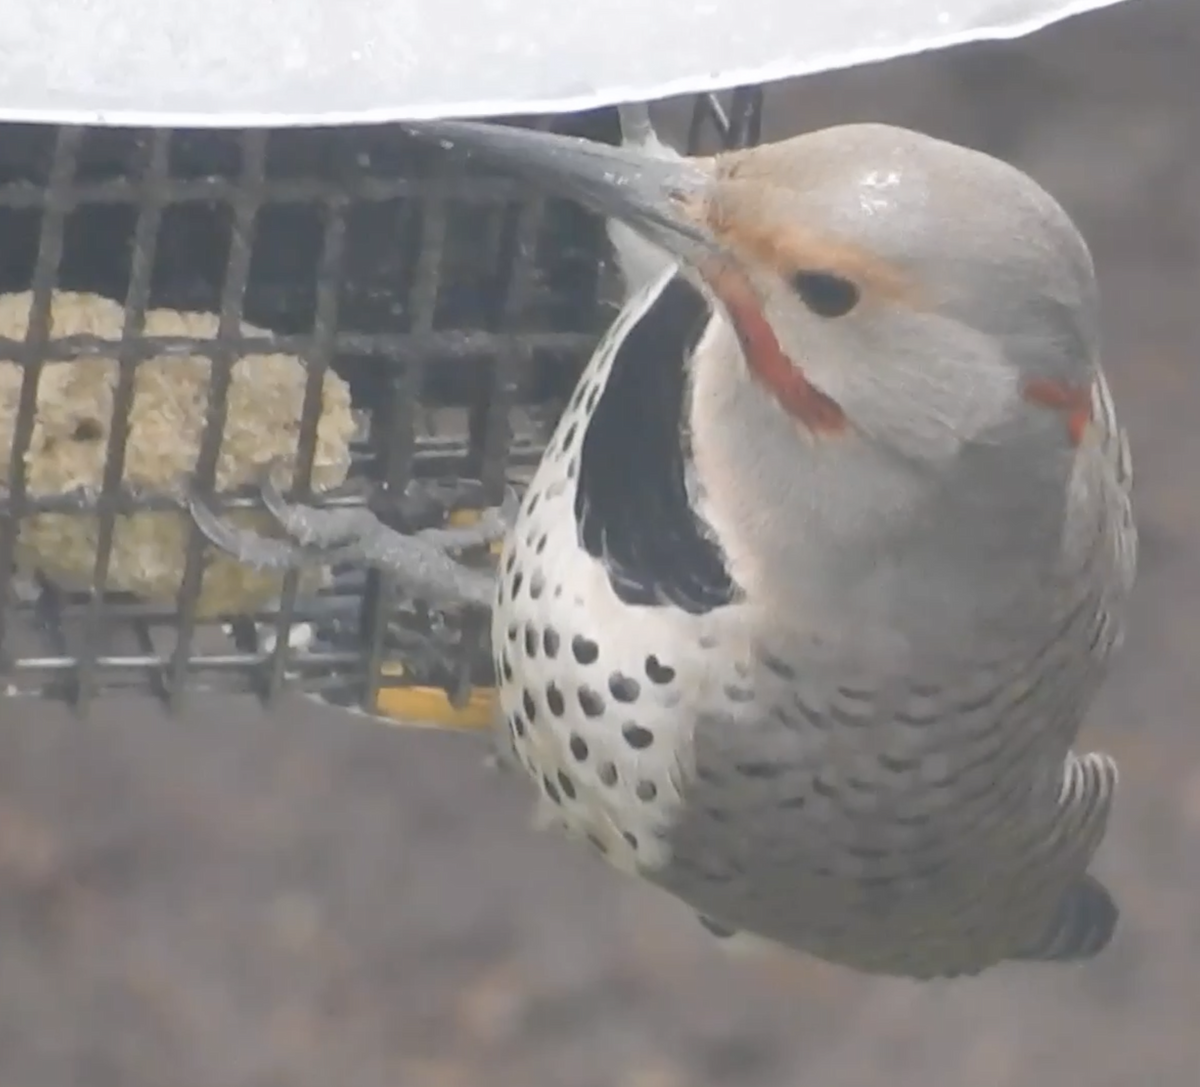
(911, 338)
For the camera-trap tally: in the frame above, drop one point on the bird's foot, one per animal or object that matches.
(421, 562)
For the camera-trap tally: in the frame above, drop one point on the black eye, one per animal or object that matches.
(825, 294)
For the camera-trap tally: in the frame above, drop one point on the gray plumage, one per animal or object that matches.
(924, 823)
(816, 663)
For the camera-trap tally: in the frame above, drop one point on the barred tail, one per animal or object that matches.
(1081, 927)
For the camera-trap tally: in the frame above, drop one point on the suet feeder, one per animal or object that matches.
(243, 162)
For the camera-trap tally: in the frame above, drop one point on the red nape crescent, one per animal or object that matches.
(1074, 402)
(780, 375)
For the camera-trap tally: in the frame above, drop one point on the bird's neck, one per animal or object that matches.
(838, 536)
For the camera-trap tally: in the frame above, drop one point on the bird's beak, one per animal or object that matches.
(661, 198)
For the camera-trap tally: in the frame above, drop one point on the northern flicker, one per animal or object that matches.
(802, 612)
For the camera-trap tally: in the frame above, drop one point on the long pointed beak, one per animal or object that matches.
(658, 197)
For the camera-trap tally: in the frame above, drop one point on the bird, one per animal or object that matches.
(803, 610)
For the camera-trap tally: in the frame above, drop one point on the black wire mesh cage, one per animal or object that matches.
(155, 285)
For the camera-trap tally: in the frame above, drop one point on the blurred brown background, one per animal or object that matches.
(234, 901)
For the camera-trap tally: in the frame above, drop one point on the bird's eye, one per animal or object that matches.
(826, 294)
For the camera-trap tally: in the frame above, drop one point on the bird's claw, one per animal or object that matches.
(420, 562)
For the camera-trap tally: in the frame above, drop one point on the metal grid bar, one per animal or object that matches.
(431, 458)
(154, 173)
(738, 126)
(397, 442)
(481, 190)
(476, 303)
(245, 209)
(476, 344)
(491, 429)
(32, 353)
(320, 356)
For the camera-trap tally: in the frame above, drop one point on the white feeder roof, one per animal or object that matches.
(298, 62)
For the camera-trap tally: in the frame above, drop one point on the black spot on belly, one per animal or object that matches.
(584, 650)
(657, 672)
(636, 736)
(623, 688)
(590, 702)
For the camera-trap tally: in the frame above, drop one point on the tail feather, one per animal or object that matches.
(1081, 928)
